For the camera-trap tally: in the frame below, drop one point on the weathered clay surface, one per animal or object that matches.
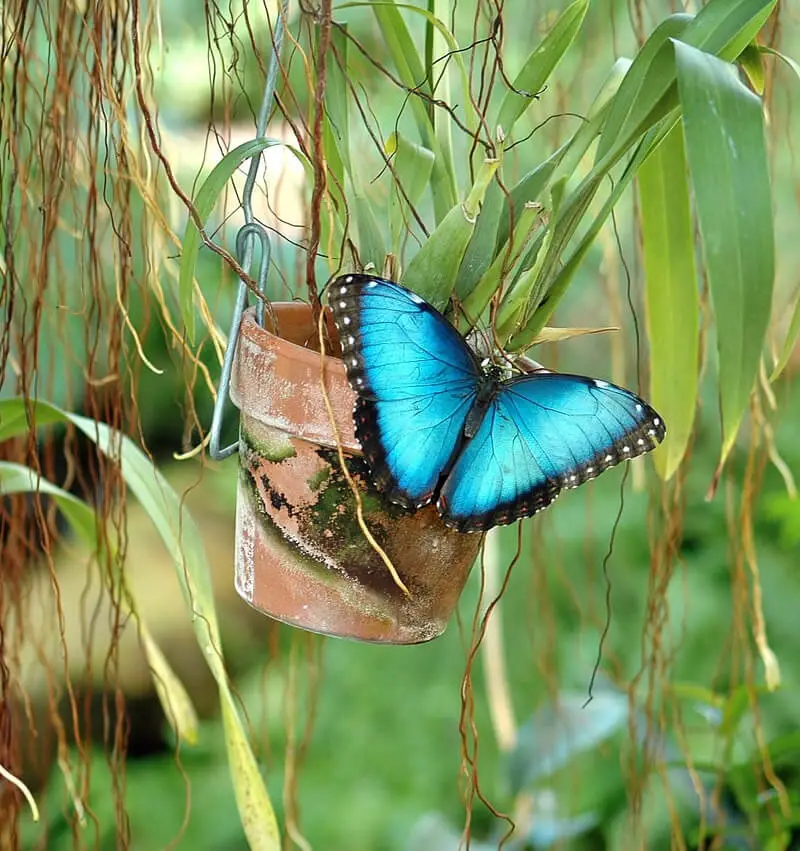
(301, 556)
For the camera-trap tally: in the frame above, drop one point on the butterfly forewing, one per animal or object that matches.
(415, 380)
(542, 433)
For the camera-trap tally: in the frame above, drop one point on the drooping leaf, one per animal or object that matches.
(726, 149)
(183, 540)
(204, 201)
(770, 51)
(672, 295)
(178, 707)
(648, 80)
(789, 341)
(648, 93)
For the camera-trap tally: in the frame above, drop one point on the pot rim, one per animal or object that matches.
(276, 380)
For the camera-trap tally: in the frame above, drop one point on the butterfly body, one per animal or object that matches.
(434, 424)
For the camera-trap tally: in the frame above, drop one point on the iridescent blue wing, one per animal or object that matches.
(415, 379)
(541, 433)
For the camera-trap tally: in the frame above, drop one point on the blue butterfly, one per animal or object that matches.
(435, 425)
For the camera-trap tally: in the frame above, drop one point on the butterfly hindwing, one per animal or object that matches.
(415, 380)
(541, 433)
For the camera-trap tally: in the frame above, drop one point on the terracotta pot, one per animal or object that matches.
(301, 556)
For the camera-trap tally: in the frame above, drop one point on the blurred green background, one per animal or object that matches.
(375, 730)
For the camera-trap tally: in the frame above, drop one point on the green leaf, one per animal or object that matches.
(371, 247)
(336, 142)
(786, 59)
(672, 295)
(550, 290)
(784, 745)
(565, 162)
(410, 70)
(736, 706)
(529, 189)
(540, 65)
(204, 202)
(432, 271)
(789, 341)
(482, 244)
(441, 43)
(504, 264)
(184, 542)
(751, 62)
(726, 27)
(336, 91)
(697, 694)
(723, 27)
(178, 707)
(524, 292)
(726, 148)
(779, 841)
(336, 128)
(646, 103)
(412, 165)
(646, 83)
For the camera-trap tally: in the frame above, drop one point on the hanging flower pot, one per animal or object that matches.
(301, 555)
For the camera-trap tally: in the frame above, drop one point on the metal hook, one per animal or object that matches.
(244, 241)
(244, 249)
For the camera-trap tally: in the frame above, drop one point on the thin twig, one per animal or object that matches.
(353, 487)
(320, 175)
(173, 182)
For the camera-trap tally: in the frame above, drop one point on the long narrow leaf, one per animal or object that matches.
(647, 81)
(184, 542)
(507, 259)
(442, 43)
(432, 271)
(790, 340)
(412, 166)
(178, 707)
(540, 65)
(411, 71)
(204, 203)
(722, 27)
(345, 177)
(726, 149)
(672, 295)
(556, 287)
(481, 248)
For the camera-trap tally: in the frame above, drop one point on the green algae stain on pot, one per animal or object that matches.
(335, 518)
(274, 446)
(316, 481)
(274, 534)
(323, 535)
(336, 569)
